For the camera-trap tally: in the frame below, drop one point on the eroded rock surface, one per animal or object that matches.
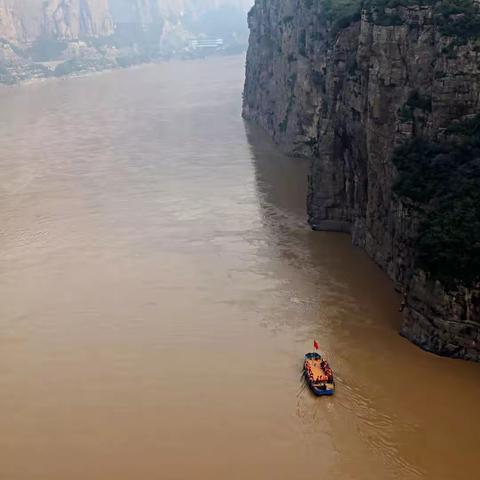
(346, 92)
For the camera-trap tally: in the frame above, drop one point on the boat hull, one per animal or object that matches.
(326, 389)
(319, 392)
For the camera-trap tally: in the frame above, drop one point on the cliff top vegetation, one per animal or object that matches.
(457, 18)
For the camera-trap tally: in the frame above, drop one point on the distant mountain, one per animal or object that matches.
(55, 37)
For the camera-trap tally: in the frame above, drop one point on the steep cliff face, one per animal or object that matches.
(22, 21)
(25, 20)
(147, 12)
(73, 19)
(56, 37)
(348, 83)
(19, 20)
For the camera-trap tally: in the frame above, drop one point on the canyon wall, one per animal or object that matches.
(24, 21)
(347, 84)
(41, 38)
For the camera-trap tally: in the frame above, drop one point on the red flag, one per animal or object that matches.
(315, 345)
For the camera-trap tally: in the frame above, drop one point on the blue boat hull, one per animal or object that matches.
(319, 392)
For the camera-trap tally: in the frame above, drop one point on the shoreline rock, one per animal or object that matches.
(346, 92)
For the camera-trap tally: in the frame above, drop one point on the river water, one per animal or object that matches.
(159, 287)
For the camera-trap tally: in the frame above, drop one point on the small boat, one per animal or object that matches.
(318, 374)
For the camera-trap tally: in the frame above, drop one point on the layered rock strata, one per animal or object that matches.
(346, 88)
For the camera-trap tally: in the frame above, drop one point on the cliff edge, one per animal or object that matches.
(384, 97)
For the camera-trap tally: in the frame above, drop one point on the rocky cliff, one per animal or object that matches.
(22, 21)
(55, 37)
(383, 96)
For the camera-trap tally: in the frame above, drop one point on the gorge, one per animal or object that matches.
(160, 285)
(384, 97)
(59, 37)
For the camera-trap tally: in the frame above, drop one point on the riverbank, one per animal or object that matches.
(133, 65)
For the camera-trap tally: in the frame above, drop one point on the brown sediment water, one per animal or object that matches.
(159, 286)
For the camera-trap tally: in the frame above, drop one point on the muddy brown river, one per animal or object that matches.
(159, 286)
